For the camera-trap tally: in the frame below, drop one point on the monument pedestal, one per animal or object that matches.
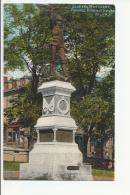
(56, 156)
(55, 162)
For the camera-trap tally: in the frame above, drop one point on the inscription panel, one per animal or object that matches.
(64, 136)
(46, 136)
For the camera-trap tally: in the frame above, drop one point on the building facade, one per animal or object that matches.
(13, 133)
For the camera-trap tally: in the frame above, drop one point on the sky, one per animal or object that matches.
(17, 74)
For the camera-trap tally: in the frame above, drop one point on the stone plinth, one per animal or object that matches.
(50, 161)
(55, 155)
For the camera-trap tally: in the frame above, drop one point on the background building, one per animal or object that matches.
(13, 133)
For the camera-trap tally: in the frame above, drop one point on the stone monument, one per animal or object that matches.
(55, 155)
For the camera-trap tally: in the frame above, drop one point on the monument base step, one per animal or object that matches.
(55, 162)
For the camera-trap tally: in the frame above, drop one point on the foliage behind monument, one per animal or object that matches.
(89, 44)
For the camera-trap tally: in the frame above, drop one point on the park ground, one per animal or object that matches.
(11, 171)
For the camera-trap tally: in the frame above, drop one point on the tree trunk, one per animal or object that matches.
(35, 81)
(102, 148)
(85, 145)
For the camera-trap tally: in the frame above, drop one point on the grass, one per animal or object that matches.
(11, 166)
(103, 173)
(14, 166)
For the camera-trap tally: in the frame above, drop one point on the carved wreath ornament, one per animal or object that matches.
(62, 106)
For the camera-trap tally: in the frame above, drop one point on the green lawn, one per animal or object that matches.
(103, 173)
(11, 166)
(14, 166)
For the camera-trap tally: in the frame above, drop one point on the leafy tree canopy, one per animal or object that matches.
(89, 44)
(23, 110)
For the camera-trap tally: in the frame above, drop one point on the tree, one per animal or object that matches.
(90, 45)
(89, 42)
(105, 89)
(27, 41)
(88, 113)
(23, 110)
